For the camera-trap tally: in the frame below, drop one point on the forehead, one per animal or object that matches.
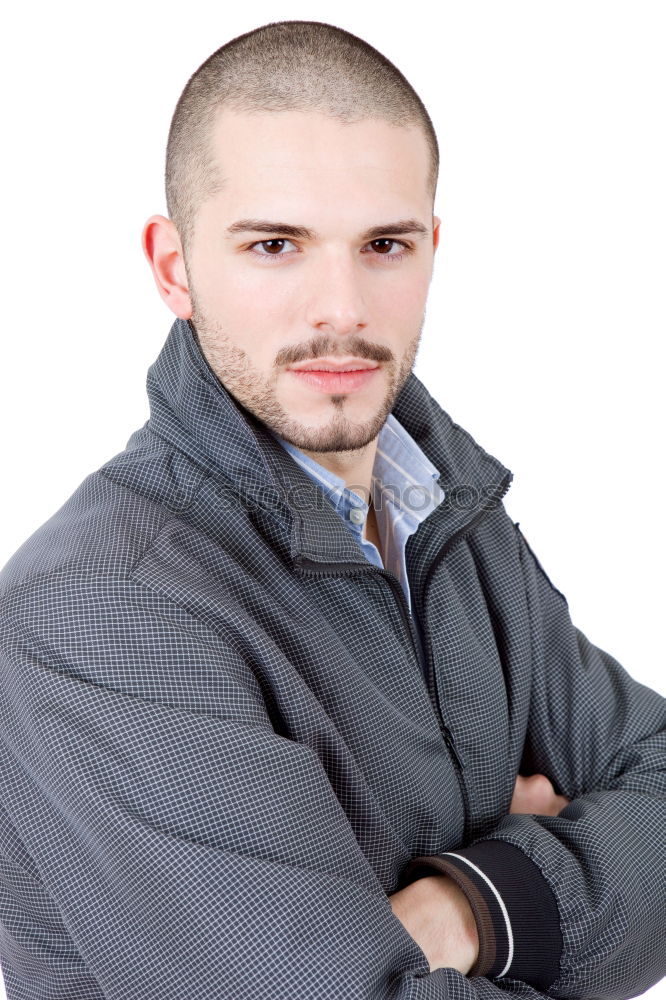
(308, 157)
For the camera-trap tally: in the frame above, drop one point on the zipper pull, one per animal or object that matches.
(451, 745)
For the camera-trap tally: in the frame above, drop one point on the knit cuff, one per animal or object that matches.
(516, 914)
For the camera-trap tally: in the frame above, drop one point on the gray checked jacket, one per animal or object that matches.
(220, 754)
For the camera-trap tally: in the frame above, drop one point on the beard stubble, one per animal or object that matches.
(234, 369)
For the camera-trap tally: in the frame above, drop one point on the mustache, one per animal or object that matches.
(324, 347)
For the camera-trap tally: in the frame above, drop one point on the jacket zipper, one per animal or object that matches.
(447, 736)
(313, 568)
(420, 601)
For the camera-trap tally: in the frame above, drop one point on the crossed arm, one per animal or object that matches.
(435, 912)
(116, 801)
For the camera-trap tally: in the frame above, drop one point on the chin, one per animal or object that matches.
(335, 434)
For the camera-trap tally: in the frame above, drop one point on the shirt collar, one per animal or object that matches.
(402, 476)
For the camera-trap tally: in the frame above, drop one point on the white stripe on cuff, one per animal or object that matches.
(505, 914)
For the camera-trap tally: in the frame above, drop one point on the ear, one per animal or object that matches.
(162, 247)
(436, 222)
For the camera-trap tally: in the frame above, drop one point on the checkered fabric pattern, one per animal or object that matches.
(219, 755)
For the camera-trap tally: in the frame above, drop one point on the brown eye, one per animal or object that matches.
(273, 246)
(383, 245)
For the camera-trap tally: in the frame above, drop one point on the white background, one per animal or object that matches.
(546, 319)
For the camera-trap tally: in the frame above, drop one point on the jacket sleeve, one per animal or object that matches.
(575, 904)
(159, 844)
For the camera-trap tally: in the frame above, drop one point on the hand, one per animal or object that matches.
(536, 795)
(435, 912)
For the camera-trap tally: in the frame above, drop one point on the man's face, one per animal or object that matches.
(341, 290)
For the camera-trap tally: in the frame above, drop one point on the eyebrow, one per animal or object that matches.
(403, 227)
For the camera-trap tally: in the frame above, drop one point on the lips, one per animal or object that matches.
(337, 380)
(325, 365)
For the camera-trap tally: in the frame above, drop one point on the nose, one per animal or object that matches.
(335, 303)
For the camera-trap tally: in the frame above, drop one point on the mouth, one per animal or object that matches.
(340, 377)
(332, 365)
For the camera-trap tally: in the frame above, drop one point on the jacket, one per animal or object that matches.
(220, 756)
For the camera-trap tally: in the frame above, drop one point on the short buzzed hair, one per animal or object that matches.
(281, 66)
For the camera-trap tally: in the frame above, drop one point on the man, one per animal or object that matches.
(288, 706)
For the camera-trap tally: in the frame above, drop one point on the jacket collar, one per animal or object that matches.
(192, 410)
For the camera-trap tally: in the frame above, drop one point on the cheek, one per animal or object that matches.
(258, 285)
(401, 296)
(244, 299)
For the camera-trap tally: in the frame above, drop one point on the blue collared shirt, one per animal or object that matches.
(404, 491)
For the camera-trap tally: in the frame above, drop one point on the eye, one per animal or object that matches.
(384, 244)
(272, 248)
(382, 248)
